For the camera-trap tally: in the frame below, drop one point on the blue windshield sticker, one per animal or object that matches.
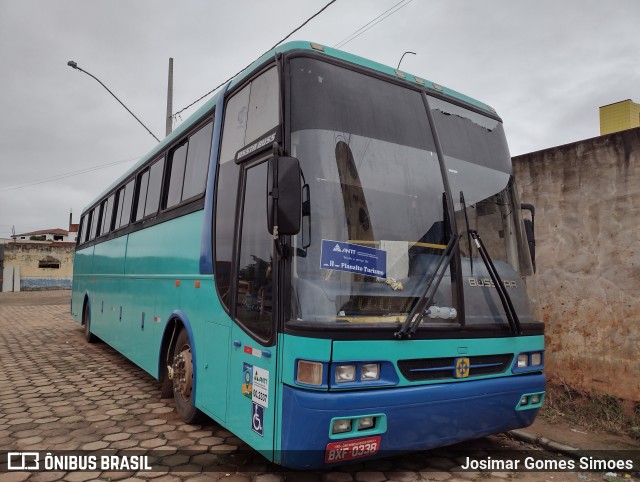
(353, 258)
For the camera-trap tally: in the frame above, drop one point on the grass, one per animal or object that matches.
(596, 412)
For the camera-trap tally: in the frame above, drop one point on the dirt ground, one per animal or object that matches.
(567, 433)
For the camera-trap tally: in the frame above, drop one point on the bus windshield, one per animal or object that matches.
(377, 221)
(480, 177)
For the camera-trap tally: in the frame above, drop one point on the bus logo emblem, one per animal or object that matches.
(462, 368)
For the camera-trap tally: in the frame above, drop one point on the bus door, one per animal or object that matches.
(253, 354)
(244, 251)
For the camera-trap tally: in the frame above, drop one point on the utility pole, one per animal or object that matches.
(170, 97)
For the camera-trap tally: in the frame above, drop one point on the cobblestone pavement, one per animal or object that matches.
(59, 393)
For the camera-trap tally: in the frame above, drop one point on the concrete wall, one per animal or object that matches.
(35, 263)
(587, 199)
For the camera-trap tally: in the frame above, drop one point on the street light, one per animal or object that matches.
(74, 65)
(403, 58)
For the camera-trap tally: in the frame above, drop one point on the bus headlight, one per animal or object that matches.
(366, 423)
(536, 359)
(370, 371)
(341, 426)
(523, 360)
(309, 373)
(529, 362)
(345, 373)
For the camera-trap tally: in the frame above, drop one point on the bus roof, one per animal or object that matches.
(287, 47)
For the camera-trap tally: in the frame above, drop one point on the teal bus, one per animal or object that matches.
(329, 259)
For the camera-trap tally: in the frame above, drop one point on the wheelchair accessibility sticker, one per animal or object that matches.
(257, 418)
(353, 258)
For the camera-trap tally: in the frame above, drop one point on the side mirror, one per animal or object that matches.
(284, 196)
(529, 229)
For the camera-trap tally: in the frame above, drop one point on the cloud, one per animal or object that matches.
(544, 65)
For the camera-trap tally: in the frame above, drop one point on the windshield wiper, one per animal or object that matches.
(423, 306)
(505, 299)
(466, 220)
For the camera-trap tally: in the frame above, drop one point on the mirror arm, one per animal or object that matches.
(275, 194)
(532, 210)
(531, 236)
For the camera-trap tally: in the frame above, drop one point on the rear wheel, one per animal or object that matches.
(86, 322)
(183, 379)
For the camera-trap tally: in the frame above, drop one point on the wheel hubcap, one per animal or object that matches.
(183, 373)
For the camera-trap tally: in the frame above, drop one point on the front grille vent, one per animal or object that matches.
(444, 368)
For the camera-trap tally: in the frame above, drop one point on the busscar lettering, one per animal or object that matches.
(488, 283)
(255, 146)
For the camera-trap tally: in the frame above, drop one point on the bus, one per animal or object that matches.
(329, 259)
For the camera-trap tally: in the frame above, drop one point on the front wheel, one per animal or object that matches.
(183, 379)
(86, 322)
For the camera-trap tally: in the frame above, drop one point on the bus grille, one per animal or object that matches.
(443, 368)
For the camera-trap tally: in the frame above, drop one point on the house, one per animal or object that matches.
(38, 260)
(49, 235)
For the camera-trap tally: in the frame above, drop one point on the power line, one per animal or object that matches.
(275, 45)
(337, 45)
(372, 23)
(302, 25)
(64, 175)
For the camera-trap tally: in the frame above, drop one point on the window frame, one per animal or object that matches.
(245, 168)
(105, 202)
(123, 189)
(184, 142)
(82, 229)
(159, 160)
(137, 197)
(192, 134)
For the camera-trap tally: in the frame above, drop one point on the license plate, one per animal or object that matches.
(351, 449)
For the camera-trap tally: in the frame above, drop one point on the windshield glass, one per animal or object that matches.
(377, 225)
(479, 166)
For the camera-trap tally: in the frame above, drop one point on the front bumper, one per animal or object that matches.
(417, 417)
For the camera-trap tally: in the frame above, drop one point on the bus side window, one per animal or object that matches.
(195, 174)
(83, 229)
(142, 183)
(249, 113)
(123, 210)
(254, 293)
(107, 217)
(175, 176)
(233, 131)
(94, 223)
(155, 187)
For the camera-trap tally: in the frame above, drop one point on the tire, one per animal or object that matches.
(183, 378)
(86, 323)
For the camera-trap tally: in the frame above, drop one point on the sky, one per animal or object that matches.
(544, 65)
